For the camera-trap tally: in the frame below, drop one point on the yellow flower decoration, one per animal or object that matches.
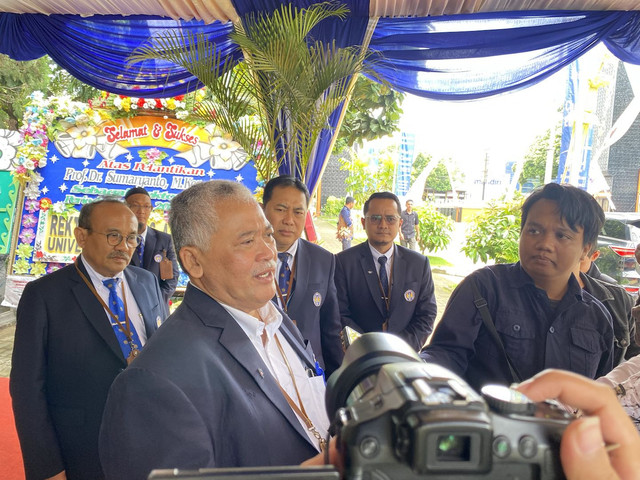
(24, 250)
(21, 267)
(38, 268)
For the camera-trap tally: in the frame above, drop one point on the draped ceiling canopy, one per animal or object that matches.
(442, 49)
(224, 10)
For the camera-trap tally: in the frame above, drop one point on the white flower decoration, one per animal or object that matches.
(9, 140)
(223, 148)
(83, 136)
(58, 207)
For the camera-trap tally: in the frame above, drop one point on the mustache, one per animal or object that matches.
(122, 255)
(271, 265)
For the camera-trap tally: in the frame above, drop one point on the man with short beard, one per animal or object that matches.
(77, 328)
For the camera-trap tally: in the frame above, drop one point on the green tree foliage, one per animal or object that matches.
(535, 160)
(63, 83)
(332, 206)
(494, 234)
(438, 179)
(17, 81)
(419, 164)
(363, 180)
(435, 229)
(373, 112)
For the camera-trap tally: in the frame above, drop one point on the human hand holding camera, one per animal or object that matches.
(603, 444)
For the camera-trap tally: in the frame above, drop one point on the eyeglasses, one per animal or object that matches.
(376, 219)
(137, 206)
(114, 238)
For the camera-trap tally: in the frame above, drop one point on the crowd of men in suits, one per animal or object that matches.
(236, 374)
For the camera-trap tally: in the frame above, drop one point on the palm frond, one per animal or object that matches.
(285, 90)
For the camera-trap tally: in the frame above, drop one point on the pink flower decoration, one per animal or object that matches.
(32, 205)
(29, 220)
(27, 235)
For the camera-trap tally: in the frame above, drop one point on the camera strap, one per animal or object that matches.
(481, 305)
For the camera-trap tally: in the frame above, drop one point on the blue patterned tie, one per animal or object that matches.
(384, 279)
(285, 274)
(140, 251)
(117, 307)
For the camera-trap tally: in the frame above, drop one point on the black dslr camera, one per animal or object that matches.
(397, 417)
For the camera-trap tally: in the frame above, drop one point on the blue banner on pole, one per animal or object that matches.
(405, 163)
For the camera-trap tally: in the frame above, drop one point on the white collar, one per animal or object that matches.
(376, 254)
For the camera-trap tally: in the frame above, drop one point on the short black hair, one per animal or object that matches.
(386, 195)
(136, 191)
(284, 181)
(576, 207)
(84, 219)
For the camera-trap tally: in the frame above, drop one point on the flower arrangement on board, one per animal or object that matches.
(121, 106)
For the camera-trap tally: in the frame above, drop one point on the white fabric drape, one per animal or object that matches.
(211, 10)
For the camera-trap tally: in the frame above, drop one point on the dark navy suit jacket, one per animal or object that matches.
(199, 395)
(412, 306)
(314, 304)
(155, 242)
(65, 357)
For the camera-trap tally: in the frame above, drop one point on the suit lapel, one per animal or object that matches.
(301, 274)
(398, 278)
(236, 342)
(149, 247)
(94, 312)
(371, 276)
(143, 300)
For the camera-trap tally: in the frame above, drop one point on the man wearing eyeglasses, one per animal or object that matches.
(155, 252)
(383, 286)
(77, 328)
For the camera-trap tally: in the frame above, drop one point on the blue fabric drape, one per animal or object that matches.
(457, 57)
(95, 49)
(464, 57)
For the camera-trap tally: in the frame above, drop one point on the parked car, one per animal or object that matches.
(617, 244)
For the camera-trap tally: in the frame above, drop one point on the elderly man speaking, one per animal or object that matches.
(227, 381)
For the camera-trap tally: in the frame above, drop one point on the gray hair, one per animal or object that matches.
(193, 217)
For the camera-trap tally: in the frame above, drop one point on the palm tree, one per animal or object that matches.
(277, 102)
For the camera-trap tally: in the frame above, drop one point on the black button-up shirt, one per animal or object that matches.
(576, 335)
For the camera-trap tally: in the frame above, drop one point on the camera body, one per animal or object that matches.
(403, 419)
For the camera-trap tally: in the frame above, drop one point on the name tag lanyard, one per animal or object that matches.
(126, 328)
(299, 409)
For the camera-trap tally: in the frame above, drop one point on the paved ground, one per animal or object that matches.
(445, 280)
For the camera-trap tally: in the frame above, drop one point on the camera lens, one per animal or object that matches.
(453, 448)
(362, 361)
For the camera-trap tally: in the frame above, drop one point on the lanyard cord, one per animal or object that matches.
(300, 410)
(126, 328)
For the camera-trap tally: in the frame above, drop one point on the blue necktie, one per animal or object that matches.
(384, 279)
(140, 251)
(117, 307)
(284, 276)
